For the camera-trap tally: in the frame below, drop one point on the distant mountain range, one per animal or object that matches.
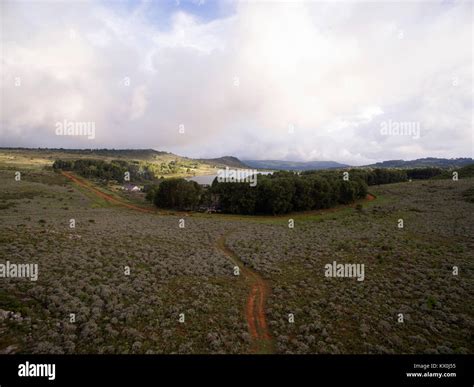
(234, 162)
(426, 162)
(225, 161)
(293, 165)
(135, 154)
(309, 165)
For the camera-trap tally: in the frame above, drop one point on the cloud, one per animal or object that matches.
(333, 72)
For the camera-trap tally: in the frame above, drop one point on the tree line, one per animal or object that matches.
(279, 193)
(379, 176)
(106, 170)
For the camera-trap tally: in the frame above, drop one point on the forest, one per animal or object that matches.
(279, 193)
(117, 170)
(282, 192)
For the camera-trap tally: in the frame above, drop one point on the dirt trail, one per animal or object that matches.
(255, 306)
(259, 289)
(370, 197)
(105, 196)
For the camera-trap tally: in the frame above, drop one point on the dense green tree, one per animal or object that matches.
(275, 195)
(64, 165)
(178, 194)
(423, 173)
(101, 169)
(303, 198)
(279, 193)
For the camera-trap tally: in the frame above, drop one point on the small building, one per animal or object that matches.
(131, 188)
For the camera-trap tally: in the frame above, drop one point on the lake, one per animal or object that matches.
(208, 179)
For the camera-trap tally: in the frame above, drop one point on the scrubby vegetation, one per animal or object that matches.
(81, 271)
(177, 270)
(464, 172)
(284, 192)
(407, 271)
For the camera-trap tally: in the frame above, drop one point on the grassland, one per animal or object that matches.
(165, 164)
(177, 270)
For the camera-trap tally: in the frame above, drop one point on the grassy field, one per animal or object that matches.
(168, 164)
(176, 271)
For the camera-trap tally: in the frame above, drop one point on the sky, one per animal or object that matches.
(349, 81)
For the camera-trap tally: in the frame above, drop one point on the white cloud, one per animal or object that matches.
(333, 71)
(139, 103)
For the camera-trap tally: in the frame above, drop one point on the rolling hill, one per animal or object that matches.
(225, 161)
(164, 164)
(424, 162)
(293, 165)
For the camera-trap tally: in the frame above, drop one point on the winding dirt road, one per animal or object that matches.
(259, 289)
(103, 195)
(255, 306)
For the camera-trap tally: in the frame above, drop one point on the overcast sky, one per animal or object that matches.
(258, 80)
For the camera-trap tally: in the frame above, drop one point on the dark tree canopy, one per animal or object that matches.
(279, 193)
(179, 194)
(106, 170)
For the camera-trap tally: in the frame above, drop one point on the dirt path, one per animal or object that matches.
(259, 289)
(103, 195)
(255, 306)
